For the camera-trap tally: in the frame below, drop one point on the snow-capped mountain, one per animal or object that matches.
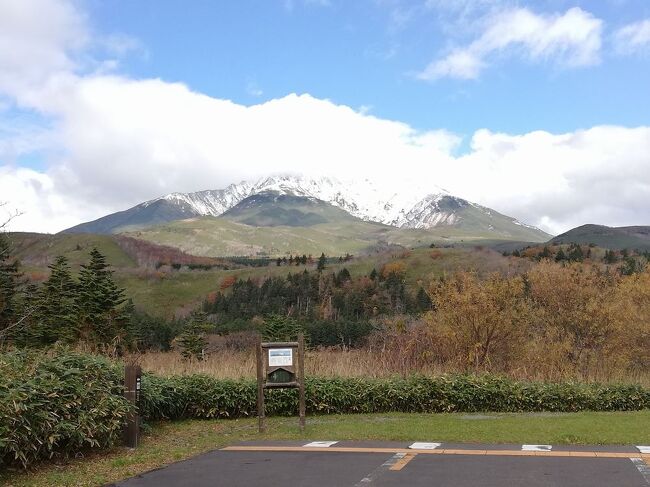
(421, 205)
(364, 199)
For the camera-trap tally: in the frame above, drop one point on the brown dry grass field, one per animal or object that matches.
(334, 362)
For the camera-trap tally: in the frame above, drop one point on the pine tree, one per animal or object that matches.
(322, 260)
(422, 300)
(99, 300)
(281, 329)
(193, 340)
(631, 266)
(560, 256)
(57, 313)
(373, 274)
(576, 254)
(343, 276)
(10, 282)
(610, 257)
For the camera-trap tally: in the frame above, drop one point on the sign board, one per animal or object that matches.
(280, 365)
(280, 357)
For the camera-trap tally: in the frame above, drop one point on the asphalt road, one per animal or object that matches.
(289, 464)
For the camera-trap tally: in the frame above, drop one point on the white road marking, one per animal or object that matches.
(320, 444)
(643, 468)
(536, 447)
(380, 470)
(424, 446)
(644, 449)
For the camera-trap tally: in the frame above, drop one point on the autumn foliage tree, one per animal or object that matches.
(483, 321)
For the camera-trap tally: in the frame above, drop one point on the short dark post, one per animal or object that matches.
(301, 380)
(132, 377)
(260, 386)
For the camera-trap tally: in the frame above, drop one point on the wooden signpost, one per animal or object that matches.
(132, 385)
(280, 365)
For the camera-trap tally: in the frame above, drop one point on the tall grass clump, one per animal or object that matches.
(57, 403)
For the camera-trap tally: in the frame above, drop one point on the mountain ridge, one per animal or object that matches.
(423, 206)
(615, 238)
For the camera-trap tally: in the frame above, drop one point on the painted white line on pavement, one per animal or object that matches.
(320, 444)
(643, 468)
(644, 449)
(376, 473)
(536, 447)
(424, 446)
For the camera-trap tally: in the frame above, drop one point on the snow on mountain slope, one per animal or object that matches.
(420, 206)
(364, 199)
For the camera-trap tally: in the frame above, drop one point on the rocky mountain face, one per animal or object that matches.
(421, 206)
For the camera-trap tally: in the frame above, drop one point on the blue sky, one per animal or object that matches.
(538, 109)
(365, 53)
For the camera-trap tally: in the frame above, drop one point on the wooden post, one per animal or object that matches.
(261, 420)
(132, 377)
(301, 380)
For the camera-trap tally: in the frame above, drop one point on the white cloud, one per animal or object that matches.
(38, 41)
(113, 142)
(571, 39)
(559, 181)
(633, 38)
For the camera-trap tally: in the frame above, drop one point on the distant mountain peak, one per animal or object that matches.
(423, 205)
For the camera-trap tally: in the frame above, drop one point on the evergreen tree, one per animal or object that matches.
(546, 253)
(278, 262)
(631, 266)
(422, 300)
(281, 329)
(560, 256)
(193, 339)
(322, 260)
(373, 274)
(10, 282)
(575, 253)
(101, 314)
(57, 313)
(610, 257)
(343, 276)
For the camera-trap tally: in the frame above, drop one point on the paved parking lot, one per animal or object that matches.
(405, 464)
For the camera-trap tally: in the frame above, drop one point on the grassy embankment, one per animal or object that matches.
(170, 442)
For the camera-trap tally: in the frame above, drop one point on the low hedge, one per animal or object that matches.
(62, 402)
(57, 403)
(200, 396)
